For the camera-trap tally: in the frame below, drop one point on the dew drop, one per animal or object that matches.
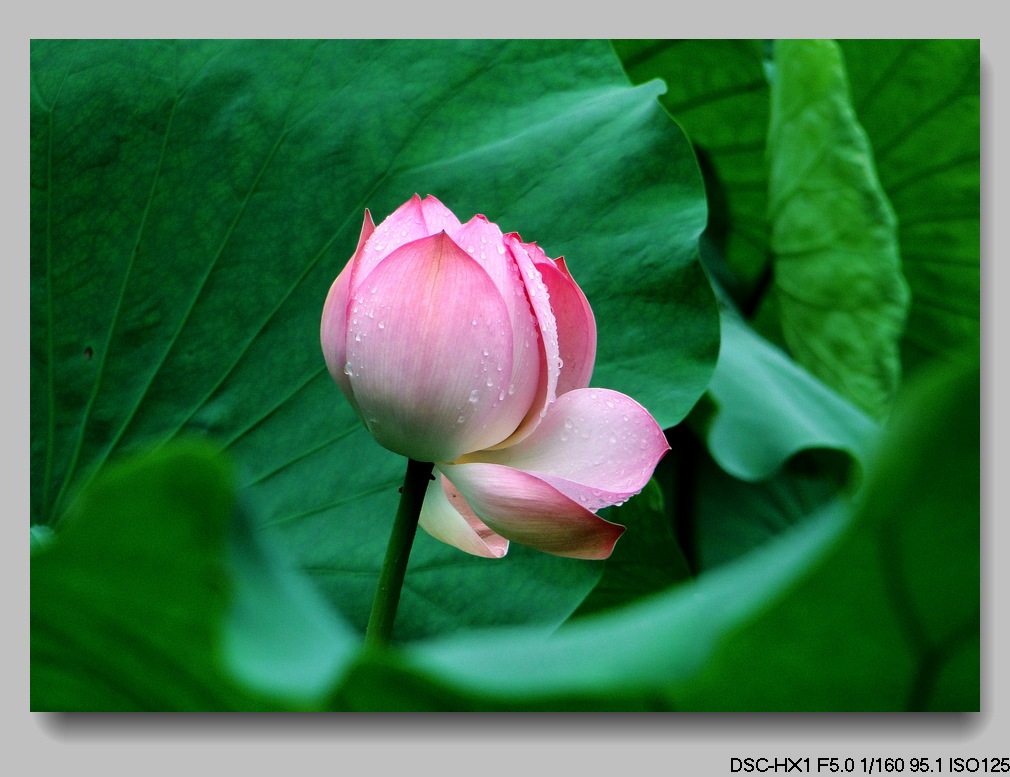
(348, 370)
(374, 289)
(474, 396)
(486, 352)
(568, 423)
(461, 419)
(357, 337)
(610, 403)
(501, 395)
(382, 325)
(490, 383)
(613, 439)
(501, 248)
(564, 437)
(469, 249)
(512, 389)
(473, 322)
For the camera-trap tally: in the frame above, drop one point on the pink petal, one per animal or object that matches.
(438, 218)
(523, 508)
(402, 226)
(597, 446)
(548, 354)
(576, 325)
(483, 240)
(424, 343)
(333, 328)
(447, 517)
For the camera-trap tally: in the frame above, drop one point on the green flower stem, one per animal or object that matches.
(387, 595)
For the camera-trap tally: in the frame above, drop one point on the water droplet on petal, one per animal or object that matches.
(382, 325)
(486, 352)
(473, 322)
(357, 337)
(348, 370)
(490, 383)
(512, 389)
(501, 248)
(461, 419)
(610, 403)
(474, 396)
(568, 423)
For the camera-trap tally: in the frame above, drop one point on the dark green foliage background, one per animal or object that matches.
(202, 496)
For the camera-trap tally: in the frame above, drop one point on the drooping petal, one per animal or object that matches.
(447, 517)
(524, 508)
(483, 240)
(548, 354)
(597, 446)
(576, 325)
(424, 343)
(333, 327)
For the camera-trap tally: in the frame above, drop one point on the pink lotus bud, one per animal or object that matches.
(462, 346)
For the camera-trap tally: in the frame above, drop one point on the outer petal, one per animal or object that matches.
(447, 517)
(597, 446)
(333, 328)
(576, 325)
(485, 243)
(523, 508)
(548, 353)
(424, 344)
(403, 225)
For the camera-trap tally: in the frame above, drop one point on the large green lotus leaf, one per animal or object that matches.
(873, 609)
(842, 299)
(919, 102)
(193, 200)
(762, 409)
(717, 91)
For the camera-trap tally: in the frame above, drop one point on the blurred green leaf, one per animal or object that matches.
(279, 637)
(764, 409)
(732, 517)
(919, 103)
(127, 599)
(872, 610)
(842, 299)
(192, 201)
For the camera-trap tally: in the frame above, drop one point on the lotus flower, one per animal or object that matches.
(461, 346)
